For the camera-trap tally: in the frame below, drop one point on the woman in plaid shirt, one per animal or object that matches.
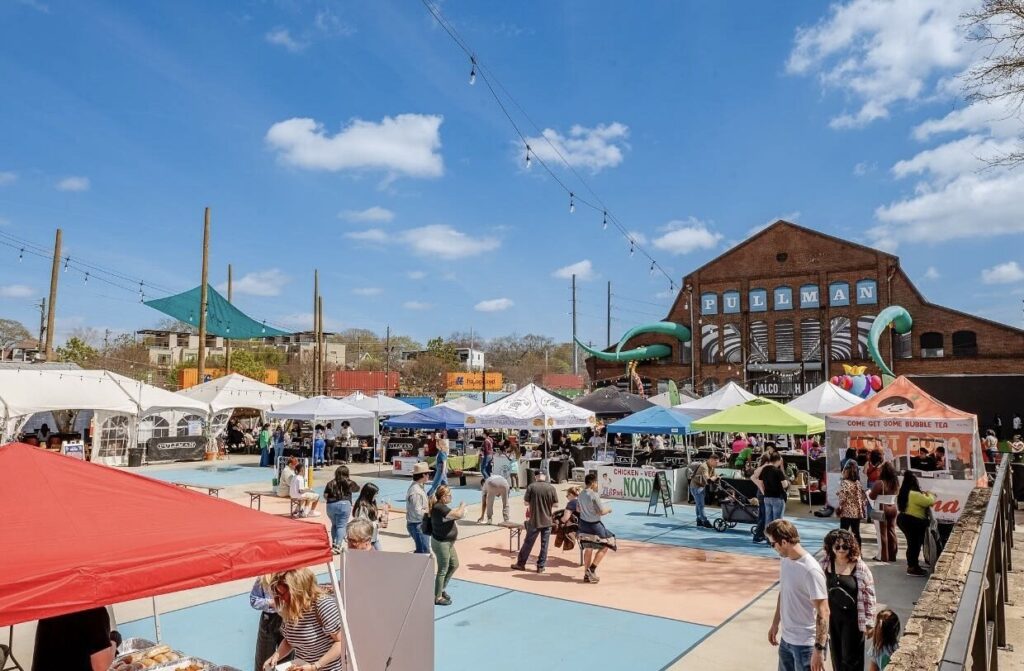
(851, 599)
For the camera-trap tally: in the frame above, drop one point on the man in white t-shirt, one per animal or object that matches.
(801, 612)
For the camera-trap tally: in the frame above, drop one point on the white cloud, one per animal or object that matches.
(260, 283)
(594, 148)
(995, 118)
(415, 274)
(36, 5)
(637, 237)
(76, 184)
(932, 273)
(367, 291)
(443, 241)
(864, 168)
(953, 159)
(8, 177)
(685, 236)
(416, 305)
(371, 235)
(583, 270)
(494, 305)
(16, 291)
(1004, 273)
(407, 144)
(281, 37)
(880, 52)
(371, 215)
(330, 24)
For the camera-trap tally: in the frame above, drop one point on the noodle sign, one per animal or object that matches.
(620, 482)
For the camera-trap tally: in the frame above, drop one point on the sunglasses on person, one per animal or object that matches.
(842, 545)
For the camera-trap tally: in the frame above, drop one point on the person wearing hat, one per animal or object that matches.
(416, 505)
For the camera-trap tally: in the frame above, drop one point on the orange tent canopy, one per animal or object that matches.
(903, 406)
(79, 535)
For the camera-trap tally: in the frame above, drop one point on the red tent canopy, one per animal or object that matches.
(78, 535)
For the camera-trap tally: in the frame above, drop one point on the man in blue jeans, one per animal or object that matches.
(416, 504)
(541, 498)
(440, 466)
(773, 484)
(801, 612)
(487, 456)
(704, 474)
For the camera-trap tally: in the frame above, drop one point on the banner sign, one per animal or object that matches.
(180, 448)
(920, 425)
(465, 381)
(950, 495)
(74, 448)
(195, 427)
(621, 482)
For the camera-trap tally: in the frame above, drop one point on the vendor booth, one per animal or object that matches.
(435, 418)
(612, 402)
(380, 405)
(225, 394)
(635, 483)
(319, 409)
(825, 399)
(899, 421)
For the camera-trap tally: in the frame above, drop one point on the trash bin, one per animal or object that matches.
(135, 457)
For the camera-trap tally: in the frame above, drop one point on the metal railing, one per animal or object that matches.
(979, 626)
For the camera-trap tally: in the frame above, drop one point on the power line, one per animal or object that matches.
(598, 205)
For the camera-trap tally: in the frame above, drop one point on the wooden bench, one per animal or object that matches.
(212, 491)
(462, 476)
(515, 531)
(295, 505)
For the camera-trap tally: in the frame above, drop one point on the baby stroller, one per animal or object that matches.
(735, 509)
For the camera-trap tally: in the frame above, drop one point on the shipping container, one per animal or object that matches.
(187, 377)
(463, 381)
(371, 382)
(420, 402)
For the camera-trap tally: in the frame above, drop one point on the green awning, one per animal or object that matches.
(222, 318)
(761, 415)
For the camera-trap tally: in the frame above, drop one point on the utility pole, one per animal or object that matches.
(227, 341)
(321, 343)
(387, 361)
(609, 314)
(316, 330)
(54, 277)
(575, 362)
(42, 326)
(203, 298)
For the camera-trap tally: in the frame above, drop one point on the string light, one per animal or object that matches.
(87, 278)
(528, 163)
(472, 71)
(652, 268)
(572, 202)
(632, 249)
(67, 260)
(604, 222)
(21, 254)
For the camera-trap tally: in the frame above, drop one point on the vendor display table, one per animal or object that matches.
(635, 484)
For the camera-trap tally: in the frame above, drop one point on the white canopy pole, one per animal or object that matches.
(156, 619)
(344, 617)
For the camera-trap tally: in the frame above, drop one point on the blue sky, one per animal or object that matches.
(345, 136)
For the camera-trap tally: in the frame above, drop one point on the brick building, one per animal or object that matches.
(782, 311)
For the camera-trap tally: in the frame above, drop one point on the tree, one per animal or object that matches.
(443, 351)
(175, 326)
(77, 351)
(11, 333)
(998, 79)
(426, 375)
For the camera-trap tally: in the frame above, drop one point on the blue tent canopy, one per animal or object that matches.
(654, 420)
(437, 417)
(222, 318)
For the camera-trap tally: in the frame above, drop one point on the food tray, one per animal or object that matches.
(134, 644)
(183, 663)
(119, 660)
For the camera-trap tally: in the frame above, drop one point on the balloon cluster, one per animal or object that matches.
(857, 381)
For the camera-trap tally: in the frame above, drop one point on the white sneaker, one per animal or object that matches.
(313, 513)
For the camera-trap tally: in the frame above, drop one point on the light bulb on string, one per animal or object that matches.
(529, 164)
(632, 249)
(21, 254)
(572, 202)
(472, 71)
(87, 278)
(652, 268)
(604, 221)
(67, 260)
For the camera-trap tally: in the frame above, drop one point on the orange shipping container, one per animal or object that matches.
(188, 377)
(462, 381)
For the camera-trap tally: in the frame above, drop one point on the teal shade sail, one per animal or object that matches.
(222, 318)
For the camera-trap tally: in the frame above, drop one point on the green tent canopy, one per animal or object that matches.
(761, 415)
(222, 318)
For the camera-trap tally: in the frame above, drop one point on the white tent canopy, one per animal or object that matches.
(825, 399)
(530, 408)
(238, 391)
(380, 405)
(723, 399)
(24, 393)
(320, 409)
(463, 404)
(664, 399)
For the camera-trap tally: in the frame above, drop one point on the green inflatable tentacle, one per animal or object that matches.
(678, 331)
(900, 320)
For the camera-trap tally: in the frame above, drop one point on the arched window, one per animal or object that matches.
(732, 343)
(731, 302)
(809, 297)
(758, 300)
(810, 339)
(965, 343)
(709, 303)
(932, 345)
(902, 345)
(710, 351)
(153, 426)
(785, 341)
(839, 294)
(841, 345)
(710, 386)
(783, 298)
(758, 342)
(184, 421)
(114, 437)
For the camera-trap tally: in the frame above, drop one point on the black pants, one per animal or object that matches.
(914, 529)
(853, 524)
(267, 638)
(846, 642)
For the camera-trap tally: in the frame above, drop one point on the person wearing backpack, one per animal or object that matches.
(851, 599)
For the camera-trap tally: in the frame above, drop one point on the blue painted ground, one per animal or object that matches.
(629, 520)
(467, 632)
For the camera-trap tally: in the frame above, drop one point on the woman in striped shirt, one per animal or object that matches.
(312, 623)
